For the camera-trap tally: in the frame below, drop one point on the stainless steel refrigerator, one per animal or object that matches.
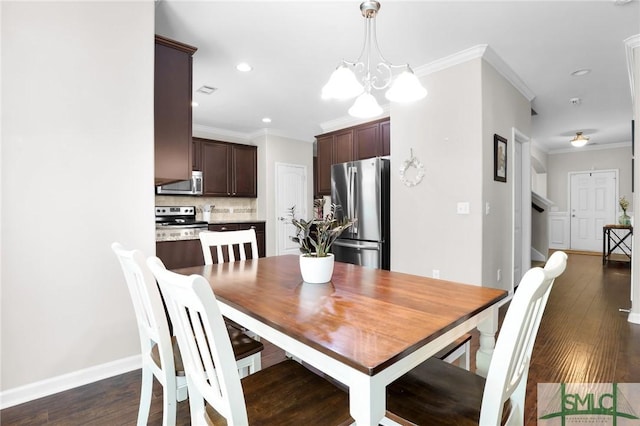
(361, 190)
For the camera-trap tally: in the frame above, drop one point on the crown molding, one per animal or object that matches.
(221, 133)
(633, 61)
(244, 138)
(348, 121)
(505, 70)
(485, 52)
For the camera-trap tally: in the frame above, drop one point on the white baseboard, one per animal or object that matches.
(634, 318)
(537, 256)
(47, 387)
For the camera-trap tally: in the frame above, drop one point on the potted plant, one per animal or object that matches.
(624, 205)
(315, 238)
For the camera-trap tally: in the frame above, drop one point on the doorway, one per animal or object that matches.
(592, 204)
(521, 206)
(291, 190)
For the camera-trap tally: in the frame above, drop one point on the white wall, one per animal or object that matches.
(559, 165)
(503, 108)
(77, 173)
(444, 130)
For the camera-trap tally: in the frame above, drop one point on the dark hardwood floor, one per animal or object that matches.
(582, 338)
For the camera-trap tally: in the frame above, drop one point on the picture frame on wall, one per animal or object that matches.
(499, 158)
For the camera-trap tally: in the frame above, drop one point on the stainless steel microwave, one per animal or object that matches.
(192, 186)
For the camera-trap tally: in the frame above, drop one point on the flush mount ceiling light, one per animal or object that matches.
(579, 140)
(358, 78)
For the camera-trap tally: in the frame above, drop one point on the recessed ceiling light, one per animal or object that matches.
(583, 71)
(244, 67)
(266, 120)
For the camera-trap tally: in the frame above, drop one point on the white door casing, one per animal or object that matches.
(291, 190)
(521, 206)
(592, 204)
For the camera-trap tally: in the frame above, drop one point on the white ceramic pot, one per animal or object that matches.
(316, 270)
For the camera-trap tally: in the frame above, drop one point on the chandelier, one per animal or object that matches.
(579, 141)
(359, 78)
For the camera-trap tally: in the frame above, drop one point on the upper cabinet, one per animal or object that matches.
(354, 143)
(332, 148)
(228, 169)
(172, 110)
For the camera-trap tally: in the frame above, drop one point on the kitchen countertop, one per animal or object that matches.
(222, 222)
(167, 234)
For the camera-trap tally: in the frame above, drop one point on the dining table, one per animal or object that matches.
(364, 329)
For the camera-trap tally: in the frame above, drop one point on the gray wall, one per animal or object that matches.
(451, 132)
(560, 164)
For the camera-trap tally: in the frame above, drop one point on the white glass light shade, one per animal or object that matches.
(365, 106)
(342, 85)
(406, 88)
(579, 141)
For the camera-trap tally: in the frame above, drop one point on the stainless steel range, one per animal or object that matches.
(178, 222)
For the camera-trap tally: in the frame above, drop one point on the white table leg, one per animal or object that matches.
(367, 401)
(487, 329)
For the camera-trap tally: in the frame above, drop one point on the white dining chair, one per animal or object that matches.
(438, 393)
(458, 352)
(228, 242)
(159, 350)
(284, 394)
(224, 242)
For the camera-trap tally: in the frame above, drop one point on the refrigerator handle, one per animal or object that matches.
(353, 172)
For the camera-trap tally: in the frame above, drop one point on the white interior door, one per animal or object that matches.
(291, 190)
(593, 205)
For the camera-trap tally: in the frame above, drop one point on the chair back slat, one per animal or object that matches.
(508, 372)
(228, 239)
(147, 303)
(204, 344)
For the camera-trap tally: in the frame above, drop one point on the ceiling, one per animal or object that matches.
(293, 46)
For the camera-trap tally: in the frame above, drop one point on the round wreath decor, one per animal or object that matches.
(412, 162)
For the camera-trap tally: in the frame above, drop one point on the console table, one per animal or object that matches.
(616, 237)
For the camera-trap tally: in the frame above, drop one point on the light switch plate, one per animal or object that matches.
(463, 207)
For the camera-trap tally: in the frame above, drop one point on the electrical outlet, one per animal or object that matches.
(499, 274)
(487, 208)
(436, 273)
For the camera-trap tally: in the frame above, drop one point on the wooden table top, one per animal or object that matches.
(366, 318)
(617, 226)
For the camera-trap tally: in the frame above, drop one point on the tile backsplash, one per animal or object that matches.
(224, 209)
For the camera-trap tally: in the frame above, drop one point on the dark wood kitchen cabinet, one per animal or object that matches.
(172, 110)
(228, 169)
(372, 140)
(185, 253)
(367, 140)
(332, 148)
(180, 254)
